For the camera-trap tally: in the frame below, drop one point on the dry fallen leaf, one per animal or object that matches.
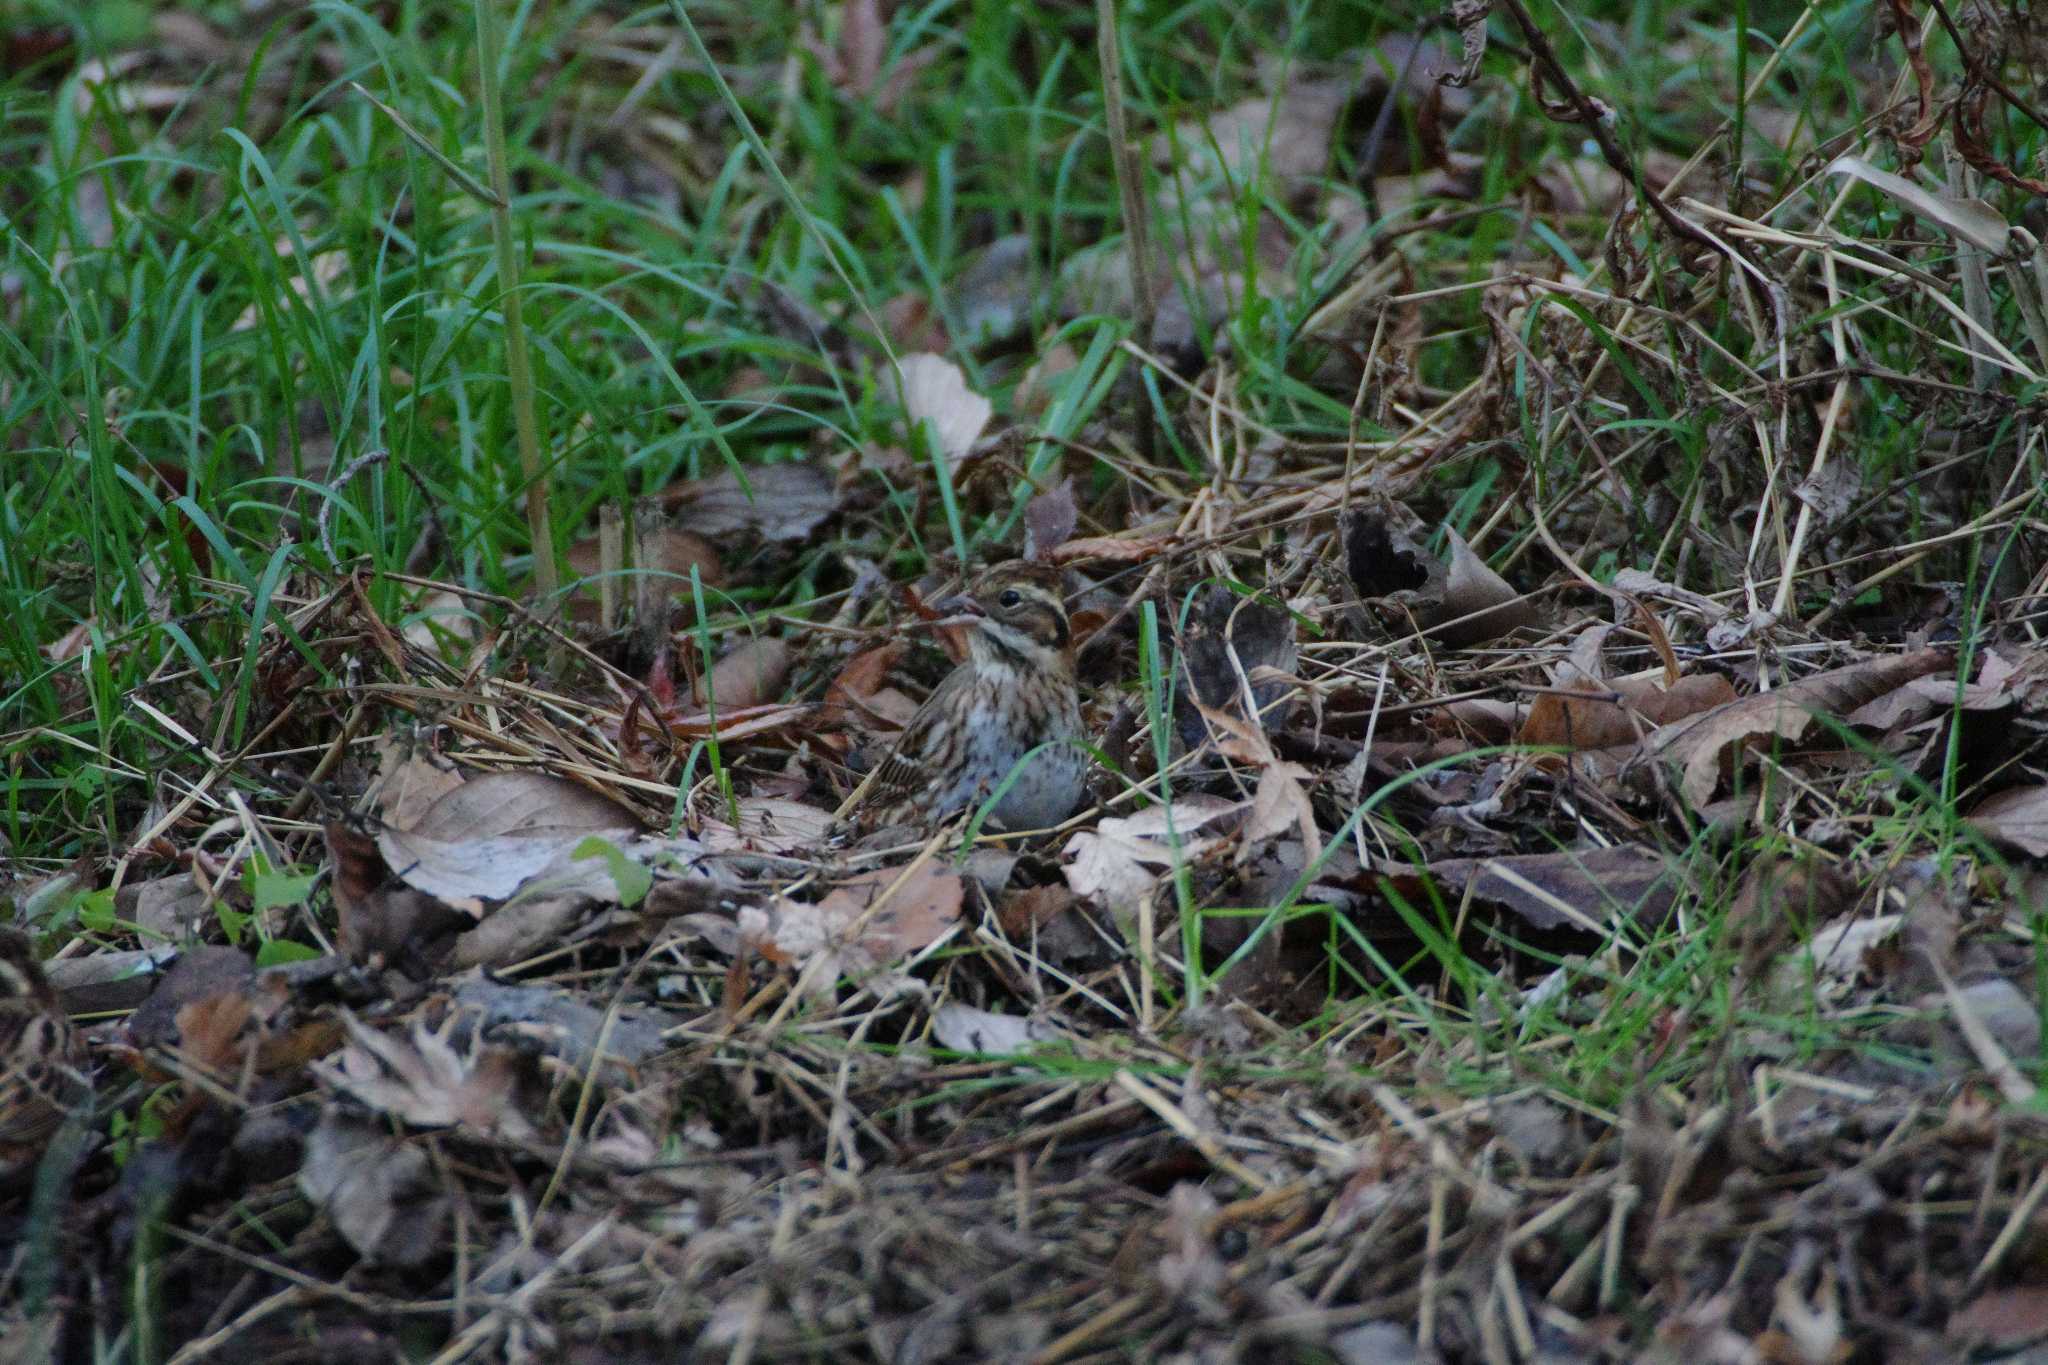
(1704, 748)
(1620, 714)
(935, 390)
(964, 1028)
(1580, 889)
(751, 674)
(866, 922)
(769, 824)
(1125, 549)
(1119, 861)
(377, 1190)
(424, 1082)
(780, 502)
(1049, 520)
(2017, 818)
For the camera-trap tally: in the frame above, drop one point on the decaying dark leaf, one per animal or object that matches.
(1460, 603)
(1233, 642)
(377, 1190)
(1579, 889)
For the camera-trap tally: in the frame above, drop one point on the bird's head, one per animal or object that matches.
(1017, 613)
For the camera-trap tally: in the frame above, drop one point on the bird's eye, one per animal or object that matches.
(1010, 598)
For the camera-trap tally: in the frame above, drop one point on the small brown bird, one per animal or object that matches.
(43, 1077)
(1014, 693)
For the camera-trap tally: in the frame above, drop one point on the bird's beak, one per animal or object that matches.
(958, 610)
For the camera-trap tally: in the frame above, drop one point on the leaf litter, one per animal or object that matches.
(1517, 925)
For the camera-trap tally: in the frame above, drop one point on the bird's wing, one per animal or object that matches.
(907, 770)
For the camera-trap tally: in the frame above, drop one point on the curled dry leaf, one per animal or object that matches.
(964, 1028)
(1464, 602)
(1125, 549)
(935, 390)
(425, 1083)
(1118, 862)
(1968, 220)
(1704, 748)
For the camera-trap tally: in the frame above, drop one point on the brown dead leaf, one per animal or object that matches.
(672, 554)
(210, 1030)
(859, 697)
(1581, 889)
(779, 502)
(1704, 748)
(71, 643)
(1125, 549)
(742, 722)
(2017, 818)
(750, 674)
(1620, 714)
(1027, 911)
(2002, 1319)
(409, 782)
